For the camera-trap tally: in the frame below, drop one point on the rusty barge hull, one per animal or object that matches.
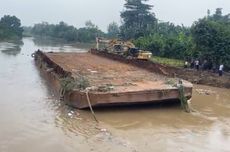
(131, 83)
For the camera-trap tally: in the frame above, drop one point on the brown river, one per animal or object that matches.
(32, 120)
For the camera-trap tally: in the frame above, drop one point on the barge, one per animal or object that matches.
(96, 78)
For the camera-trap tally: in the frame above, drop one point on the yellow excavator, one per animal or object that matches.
(125, 48)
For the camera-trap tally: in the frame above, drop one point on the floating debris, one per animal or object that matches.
(205, 91)
(103, 130)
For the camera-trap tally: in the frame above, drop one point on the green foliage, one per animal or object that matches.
(89, 24)
(212, 38)
(168, 61)
(162, 39)
(79, 83)
(167, 40)
(27, 31)
(183, 99)
(172, 82)
(105, 88)
(10, 28)
(208, 39)
(113, 30)
(89, 33)
(82, 83)
(137, 19)
(66, 32)
(67, 84)
(59, 31)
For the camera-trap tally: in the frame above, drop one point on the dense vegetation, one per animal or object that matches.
(208, 38)
(10, 28)
(137, 19)
(211, 37)
(67, 32)
(113, 30)
(162, 38)
(167, 40)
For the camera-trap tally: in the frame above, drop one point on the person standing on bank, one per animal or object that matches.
(186, 64)
(197, 64)
(221, 67)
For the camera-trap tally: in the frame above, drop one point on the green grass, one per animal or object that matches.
(167, 61)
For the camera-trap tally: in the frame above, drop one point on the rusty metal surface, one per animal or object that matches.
(143, 86)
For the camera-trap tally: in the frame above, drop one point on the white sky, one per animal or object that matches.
(103, 12)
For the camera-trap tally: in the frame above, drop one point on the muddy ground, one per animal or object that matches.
(201, 77)
(194, 76)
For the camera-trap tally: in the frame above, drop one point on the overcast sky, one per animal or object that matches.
(103, 12)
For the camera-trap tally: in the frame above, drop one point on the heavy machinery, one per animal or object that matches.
(125, 48)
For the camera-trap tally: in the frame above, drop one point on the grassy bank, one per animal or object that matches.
(167, 61)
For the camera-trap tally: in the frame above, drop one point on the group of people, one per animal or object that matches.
(204, 66)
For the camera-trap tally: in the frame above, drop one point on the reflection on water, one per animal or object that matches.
(61, 46)
(75, 122)
(10, 48)
(30, 115)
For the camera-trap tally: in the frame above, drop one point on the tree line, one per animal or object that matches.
(207, 40)
(67, 32)
(10, 28)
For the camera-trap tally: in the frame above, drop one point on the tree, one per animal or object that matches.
(208, 39)
(137, 19)
(167, 40)
(89, 24)
(10, 27)
(113, 30)
(212, 38)
(60, 31)
(219, 17)
(218, 14)
(67, 32)
(27, 30)
(89, 32)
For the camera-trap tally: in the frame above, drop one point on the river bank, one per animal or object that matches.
(191, 75)
(175, 68)
(199, 77)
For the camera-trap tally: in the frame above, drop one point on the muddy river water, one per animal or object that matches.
(32, 120)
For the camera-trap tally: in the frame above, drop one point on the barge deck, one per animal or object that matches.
(111, 82)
